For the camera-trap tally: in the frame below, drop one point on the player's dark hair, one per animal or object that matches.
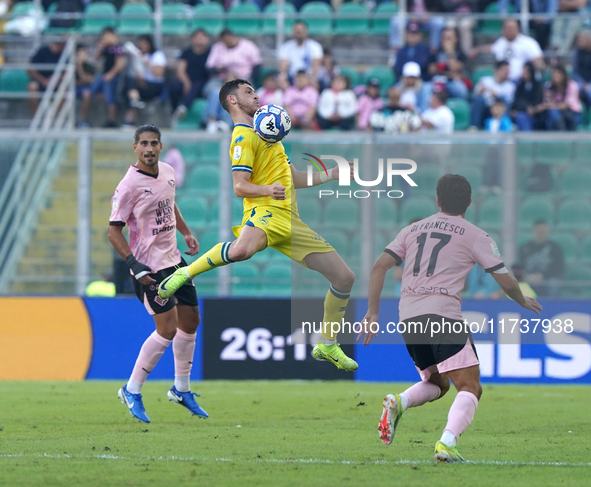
(230, 88)
(146, 128)
(454, 193)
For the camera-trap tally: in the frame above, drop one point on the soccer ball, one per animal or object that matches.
(271, 123)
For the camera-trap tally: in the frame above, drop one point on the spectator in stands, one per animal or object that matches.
(112, 55)
(487, 90)
(434, 25)
(413, 50)
(481, 285)
(175, 159)
(542, 260)
(327, 71)
(393, 118)
(300, 101)
(446, 66)
(235, 54)
(438, 117)
(40, 79)
(561, 107)
(148, 81)
(84, 70)
(539, 27)
(337, 106)
(519, 274)
(214, 117)
(515, 48)
(191, 74)
(297, 54)
(369, 102)
(582, 65)
(415, 94)
(499, 120)
(528, 95)
(102, 288)
(463, 23)
(564, 30)
(270, 93)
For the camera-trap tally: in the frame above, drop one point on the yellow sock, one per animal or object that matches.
(335, 305)
(217, 256)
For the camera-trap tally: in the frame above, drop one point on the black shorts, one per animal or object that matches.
(427, 350)
(155, 305)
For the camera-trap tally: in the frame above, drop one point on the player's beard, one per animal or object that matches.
(152, 162)
(248, 109)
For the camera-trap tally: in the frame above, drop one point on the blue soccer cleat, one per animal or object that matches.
(134, 403)
(187, 399)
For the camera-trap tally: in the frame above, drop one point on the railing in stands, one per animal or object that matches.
(35, 165)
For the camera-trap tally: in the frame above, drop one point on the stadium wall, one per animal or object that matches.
(69, 338)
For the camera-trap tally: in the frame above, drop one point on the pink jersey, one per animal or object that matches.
(439, 252)
(146, 203)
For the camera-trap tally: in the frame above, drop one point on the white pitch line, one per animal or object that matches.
(289, 460)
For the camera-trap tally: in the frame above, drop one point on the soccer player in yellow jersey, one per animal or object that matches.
(264, 177)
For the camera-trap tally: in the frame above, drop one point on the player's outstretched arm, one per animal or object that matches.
(182, 227)
(511, 287)
(300, 178)
(243, 188)
(140, 271)
(376, 283)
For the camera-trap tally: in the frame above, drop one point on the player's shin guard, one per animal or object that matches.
(183, 347)
(335, 305)
(461, 413)
(150, 353)
(217, 256)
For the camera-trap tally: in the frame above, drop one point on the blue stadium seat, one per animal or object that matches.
(245, 279)
(574, 214)
(204, 180)
(276, 280)
(490, 215)
(194, 210)
(417, 207)
(342, 213)
(536, 208)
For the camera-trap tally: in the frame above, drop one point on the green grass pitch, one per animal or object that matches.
(286, 433)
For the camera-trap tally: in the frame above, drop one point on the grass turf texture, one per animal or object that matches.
(291, 433)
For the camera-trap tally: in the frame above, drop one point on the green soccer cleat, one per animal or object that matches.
(173, 283)
(334, 354)
(447, 454)
(391, 414)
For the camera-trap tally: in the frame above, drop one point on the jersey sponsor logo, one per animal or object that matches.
(159, 301)
(149, 191)
(239, 139)
(495, 249)
(115, 204)
(237, 152)
(171, 183)
(167, 228)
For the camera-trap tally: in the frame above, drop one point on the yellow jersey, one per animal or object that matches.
(267, 164)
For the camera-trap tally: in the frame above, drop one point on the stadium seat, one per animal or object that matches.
(61, 30)
(174, 19)
(586, 250)
(342, 213)
(204, 180)
(270, 20)
(237, 211)
(13, 80)
(194, 210)
(337, 239)
(380, 242)
(481, 72)
(209, 17)
(381, 25)
(461, 111)
(207, 240)
(536, 208)
(569, 245)
(352, 19)
(244, 19)
(493, 26)
(136, 19)
(490, 216)
(22, 8)
(99, 15)
(276, 280)
(472, 173)
(383, 73)
(525, 153)
(574, 214)
(554, 153)
(426, 177)
(352, 73)
(192, 120)
(582, 154)
(576, 180)
(417, 207)
(577, 282)
(318, 17)
(310, 211)
(245, 279)
(386, 214)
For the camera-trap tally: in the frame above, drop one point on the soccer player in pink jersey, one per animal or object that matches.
(144, 200)
(439, 252)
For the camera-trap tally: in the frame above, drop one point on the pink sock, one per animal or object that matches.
(183, 346)
(461, 413)
(150, 353)
(421, 392)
